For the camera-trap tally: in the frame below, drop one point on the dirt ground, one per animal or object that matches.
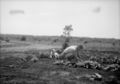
(13, 70)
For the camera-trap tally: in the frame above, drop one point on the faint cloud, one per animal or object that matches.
(97, 10)
(16, 12)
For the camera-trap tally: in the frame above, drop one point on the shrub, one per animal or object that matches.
(55, 40)
(1, 38)
(23, 38)
(7, 40)
(113, 44)
(85, 42)
(80, 47)
(42, 55)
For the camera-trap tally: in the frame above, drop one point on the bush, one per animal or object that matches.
(85, 42)
(55, 40)
(7, 40)
(80, 47)
(42, 55)
(1, 38)
(113, 44)
(23, 38)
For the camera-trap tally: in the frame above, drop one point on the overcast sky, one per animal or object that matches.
(89, 18)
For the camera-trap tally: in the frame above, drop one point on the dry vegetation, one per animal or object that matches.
(16, 66)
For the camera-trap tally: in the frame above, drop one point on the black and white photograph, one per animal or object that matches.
(59, 41)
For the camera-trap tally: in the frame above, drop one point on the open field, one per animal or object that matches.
(13, 50)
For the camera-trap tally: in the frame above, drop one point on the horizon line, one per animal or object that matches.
(61, 35)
